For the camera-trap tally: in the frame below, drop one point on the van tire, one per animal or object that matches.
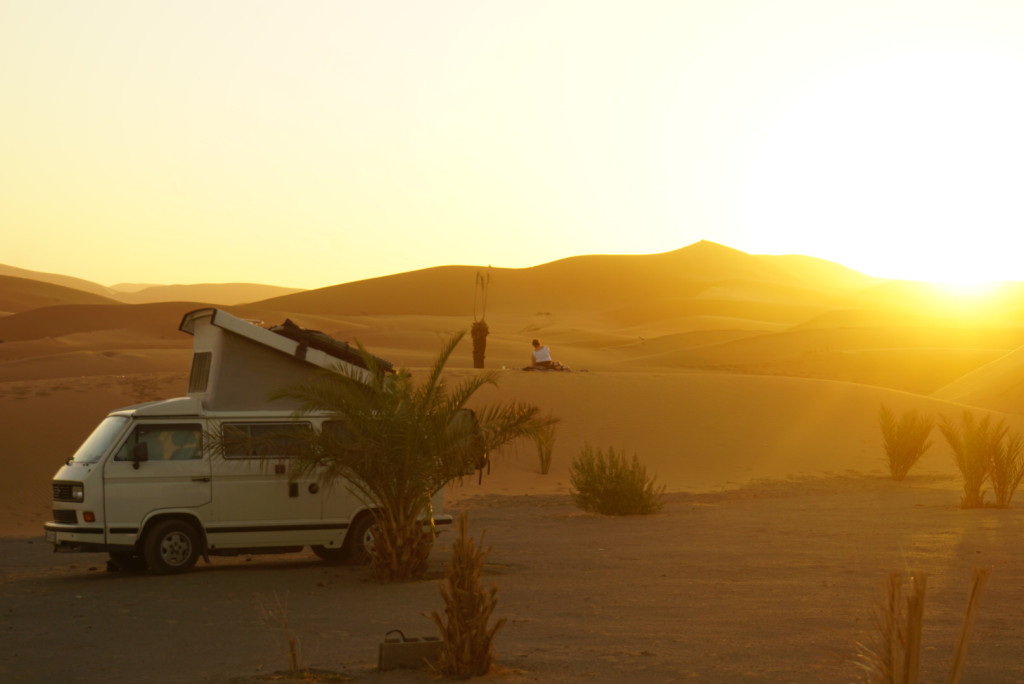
(171, 546)
(334, 556)
(359, 541)
(128, 561)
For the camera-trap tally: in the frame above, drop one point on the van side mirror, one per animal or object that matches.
(140, 453)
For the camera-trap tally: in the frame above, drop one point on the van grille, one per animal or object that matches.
(62, 491)
(66, 517)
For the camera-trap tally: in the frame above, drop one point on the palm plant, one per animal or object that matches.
(972, 447)
(545, 443)
(1007, 468)
(395, 443)
(466, 637)
(479, 329)
(905, 439)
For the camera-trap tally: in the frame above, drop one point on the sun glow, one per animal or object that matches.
(903, 167)
(969, 289)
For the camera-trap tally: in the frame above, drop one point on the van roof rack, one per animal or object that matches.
(314, 339)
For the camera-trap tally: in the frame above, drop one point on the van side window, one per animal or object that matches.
(199, 376)
(264, 440)
(336, 429)
(164, 442)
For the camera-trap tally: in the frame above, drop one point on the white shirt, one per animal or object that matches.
(541, 354)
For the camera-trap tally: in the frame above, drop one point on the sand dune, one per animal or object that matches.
(820, 271)
(578, 284)
(56, 279)
(706, 432)
(159, 321)
(22, 294)
(222, 294)
(998, 385)
(715, 366)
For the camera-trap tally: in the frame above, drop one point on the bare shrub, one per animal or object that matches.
(978, 581)
(611, 484)
(466, 639)
(985, 451)
(894, 656)
(276, 615)
(905, 439)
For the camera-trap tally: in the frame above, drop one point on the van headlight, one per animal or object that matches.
(69, 491)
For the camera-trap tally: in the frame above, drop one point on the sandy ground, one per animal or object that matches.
(753, 397)
(775, 582)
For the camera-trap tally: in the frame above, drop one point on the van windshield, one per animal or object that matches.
(100, 440)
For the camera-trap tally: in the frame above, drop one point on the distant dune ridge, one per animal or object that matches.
(716, 366)
(11, 300)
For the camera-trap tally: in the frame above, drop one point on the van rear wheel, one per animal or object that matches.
(331, 555)
(171, 546)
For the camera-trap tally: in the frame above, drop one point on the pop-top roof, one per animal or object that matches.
(312, 346)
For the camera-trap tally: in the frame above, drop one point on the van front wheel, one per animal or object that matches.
(128, 561)
(171, 546)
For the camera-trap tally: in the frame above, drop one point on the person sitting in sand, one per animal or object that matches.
(541, 358)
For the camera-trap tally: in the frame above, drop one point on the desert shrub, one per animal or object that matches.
(905, 439)
(611, 484)
(985, 451)
(466, 638)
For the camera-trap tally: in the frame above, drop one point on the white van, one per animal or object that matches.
(160, 484)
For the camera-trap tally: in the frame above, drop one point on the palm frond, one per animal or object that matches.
(395, 443)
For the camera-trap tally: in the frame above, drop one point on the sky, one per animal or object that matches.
(307, 144)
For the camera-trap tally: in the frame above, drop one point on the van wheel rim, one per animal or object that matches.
(175, 548)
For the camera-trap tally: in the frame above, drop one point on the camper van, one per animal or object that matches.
(160, 484)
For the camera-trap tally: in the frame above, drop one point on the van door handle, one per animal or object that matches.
(200, 479)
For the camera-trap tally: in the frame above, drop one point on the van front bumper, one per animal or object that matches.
(75, 538)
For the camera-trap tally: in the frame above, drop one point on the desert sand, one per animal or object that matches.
(750, 386)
